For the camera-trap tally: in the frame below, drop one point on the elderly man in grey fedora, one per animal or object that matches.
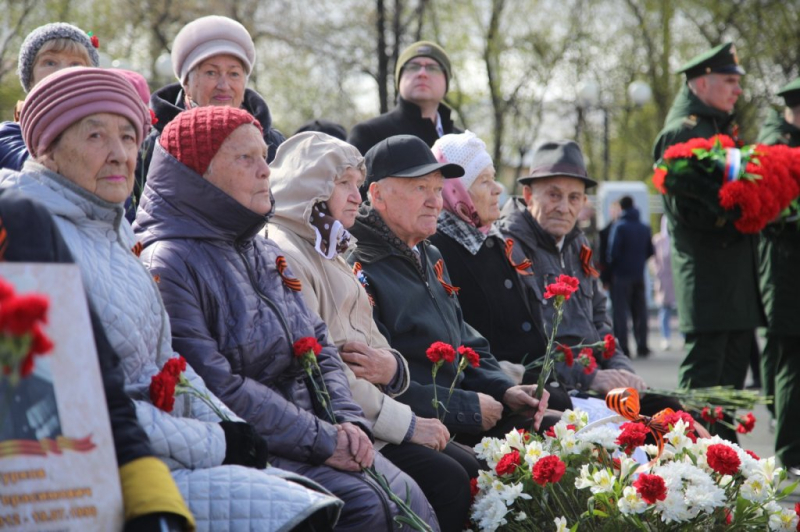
(542, 223)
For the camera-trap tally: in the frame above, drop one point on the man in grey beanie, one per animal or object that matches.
(45, 50)
(422, 78)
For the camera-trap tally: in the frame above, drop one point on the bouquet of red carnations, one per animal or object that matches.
(751, 186)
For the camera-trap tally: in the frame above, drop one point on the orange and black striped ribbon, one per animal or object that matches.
(586, 261)
(3, 240)
(522, 266)
(45, 445)
(137, 249)
(625, 402)
(290, 282)
(356, 270)
(439, 269)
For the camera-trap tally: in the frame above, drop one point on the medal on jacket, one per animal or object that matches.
(362, 279)
(290, 282)
(451, 290)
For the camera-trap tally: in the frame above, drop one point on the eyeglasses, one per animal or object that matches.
(430, 68)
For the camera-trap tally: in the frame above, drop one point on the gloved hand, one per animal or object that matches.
(244, 446)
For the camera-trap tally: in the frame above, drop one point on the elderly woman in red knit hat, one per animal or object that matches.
(83, 127)
(237, 310)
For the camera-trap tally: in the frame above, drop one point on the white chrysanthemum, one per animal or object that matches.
(784, 520)
(576, 417)
(514, 441)
(561, 524)
(490, 512)
(703, 498)
(690, 490)
(533, 452)
(521, 516)
(604, 435)
(755, 489)
(631, 502)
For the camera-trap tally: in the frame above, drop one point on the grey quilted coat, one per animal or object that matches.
(235, 318)
(189, 439)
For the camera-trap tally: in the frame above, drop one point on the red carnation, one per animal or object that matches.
(631, 437)
(587, 360)
(526, 436)
(564, 286)
(728, 516)
(473, 488)
(569, 356)
(508, 464)
(153, 118)
(672, 419)
(6, 290)
(659, 176)
(40, 343)
(708, 417)
(305, 345)
(723, 459)
(548, 469)
(609, 346)
(174, 367)
(162, 391)
(19, 314)
(746, 423)
(472, 357)
(651, 488)
(439, 351)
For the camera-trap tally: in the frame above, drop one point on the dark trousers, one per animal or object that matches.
(717, 359)
(442, 476)
(628, 299)
(780, 377)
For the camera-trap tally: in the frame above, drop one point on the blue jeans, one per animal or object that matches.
(664, 317)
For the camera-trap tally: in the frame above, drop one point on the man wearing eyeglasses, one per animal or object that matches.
(422, 76)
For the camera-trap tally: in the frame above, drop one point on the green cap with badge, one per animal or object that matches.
(719, 60)
(791, 93)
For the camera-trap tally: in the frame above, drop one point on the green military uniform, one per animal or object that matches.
(713, 264)
(779, 250)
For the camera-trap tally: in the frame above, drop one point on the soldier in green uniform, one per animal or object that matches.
(779, 250)
(713, 264)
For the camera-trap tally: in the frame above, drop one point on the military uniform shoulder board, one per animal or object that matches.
(690, 121)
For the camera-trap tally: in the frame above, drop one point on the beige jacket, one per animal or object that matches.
(303, 174)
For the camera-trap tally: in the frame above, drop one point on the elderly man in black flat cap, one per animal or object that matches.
(414, 301)
(543, 225)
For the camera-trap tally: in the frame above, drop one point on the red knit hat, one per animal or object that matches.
(194, 137)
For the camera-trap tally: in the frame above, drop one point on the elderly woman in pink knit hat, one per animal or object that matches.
(83, 128)
(212, 58)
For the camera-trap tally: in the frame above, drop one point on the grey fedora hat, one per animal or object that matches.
(561, 158)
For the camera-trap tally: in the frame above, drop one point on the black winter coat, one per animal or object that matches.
(413, 311)
(31, 236)
(405, 119)
(493, 300)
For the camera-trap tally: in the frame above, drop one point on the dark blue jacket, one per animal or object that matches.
(631, 245)
(13, 152)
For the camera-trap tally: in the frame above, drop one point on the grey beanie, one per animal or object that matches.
(35, 39)
(207, 37)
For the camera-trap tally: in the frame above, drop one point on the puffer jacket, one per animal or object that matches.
(235, 318)
(189, 439)
(585, 318)
(167, 103)
(413, 310)
(13, 152)
(332, 290)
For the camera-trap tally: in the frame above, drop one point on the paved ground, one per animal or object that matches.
(660, 370)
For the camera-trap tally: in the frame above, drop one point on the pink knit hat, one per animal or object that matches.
(138, 82)
(194, 136)
(69, 95)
